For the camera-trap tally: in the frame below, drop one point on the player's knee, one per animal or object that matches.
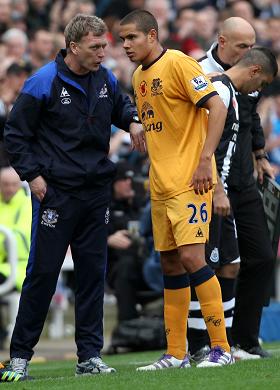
(192, 262)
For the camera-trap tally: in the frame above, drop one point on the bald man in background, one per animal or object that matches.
(235, 38)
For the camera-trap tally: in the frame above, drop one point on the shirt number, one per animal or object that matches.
(202, 212)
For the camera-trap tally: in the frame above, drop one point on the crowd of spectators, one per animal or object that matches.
(31, 33)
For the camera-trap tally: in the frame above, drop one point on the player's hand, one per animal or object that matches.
(213, 74)
(202, 180)
(221, 203)
(38, 187)
(119, 240)
(137, 136)
(264, 168)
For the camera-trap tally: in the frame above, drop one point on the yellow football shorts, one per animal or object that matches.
(181, 220)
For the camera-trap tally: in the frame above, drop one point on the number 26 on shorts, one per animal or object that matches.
(198, 212)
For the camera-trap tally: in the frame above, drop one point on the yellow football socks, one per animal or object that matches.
(176, 305)
(210, 298)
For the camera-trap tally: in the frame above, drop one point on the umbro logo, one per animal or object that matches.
(64, 93)
(199, 233)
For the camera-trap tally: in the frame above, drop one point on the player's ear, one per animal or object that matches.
(152, 35)
(221, 40)
(255, 70)
(73, 47)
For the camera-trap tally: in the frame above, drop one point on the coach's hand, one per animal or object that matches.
(202, 177)
(264, 168)
(38, 187)
(137, 136)
(221, 203)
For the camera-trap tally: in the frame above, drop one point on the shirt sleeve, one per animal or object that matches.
(223, 92)
(192, 83)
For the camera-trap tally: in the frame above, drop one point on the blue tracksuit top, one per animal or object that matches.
(56, 131)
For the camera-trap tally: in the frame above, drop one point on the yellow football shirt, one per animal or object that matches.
(169, 94)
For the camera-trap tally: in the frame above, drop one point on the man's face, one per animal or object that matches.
(236, 45)
(123, 188)
(135, 42)
(9, 185)
(90, 51)
(256, 82)
(43, 44)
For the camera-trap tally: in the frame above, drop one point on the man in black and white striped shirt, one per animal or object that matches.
(236, 37)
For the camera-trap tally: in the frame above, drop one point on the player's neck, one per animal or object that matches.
(153, 55)
(236, 77)
(223, 59)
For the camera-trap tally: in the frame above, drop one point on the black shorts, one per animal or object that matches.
(222, 247)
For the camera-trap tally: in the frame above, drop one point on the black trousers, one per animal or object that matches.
(57, 222)
(257, 265)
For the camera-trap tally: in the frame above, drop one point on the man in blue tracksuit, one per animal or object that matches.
(57, 136)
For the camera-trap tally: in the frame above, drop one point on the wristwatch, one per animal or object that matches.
(261, 156)
(136, 119)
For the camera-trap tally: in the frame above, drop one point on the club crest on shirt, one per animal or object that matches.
(143, 88)
(214, 257)
(199, 83)
(156, 87)
(49, 218)
(103, 92)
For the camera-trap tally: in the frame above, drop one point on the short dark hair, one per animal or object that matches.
(144, 20)
(261, 56)
(81, 25)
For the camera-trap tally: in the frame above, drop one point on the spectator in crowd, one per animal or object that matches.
(270, 9)
(185, 33)
(57, 136)
(5, 15)
(16, 44)
(205, 27)
(162, 11)
(236, 37)
(40, 48)
(38, 14)
(274, 34)
(180, 181)
(126, 248)
(15, 214)
(11, 86)
(243, 9)
(16, 75)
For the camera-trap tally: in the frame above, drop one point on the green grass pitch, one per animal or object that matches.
(260, 374)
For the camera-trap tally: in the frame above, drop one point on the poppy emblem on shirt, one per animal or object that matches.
(143, 88)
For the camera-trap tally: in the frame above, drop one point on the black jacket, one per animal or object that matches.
(57, 130)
